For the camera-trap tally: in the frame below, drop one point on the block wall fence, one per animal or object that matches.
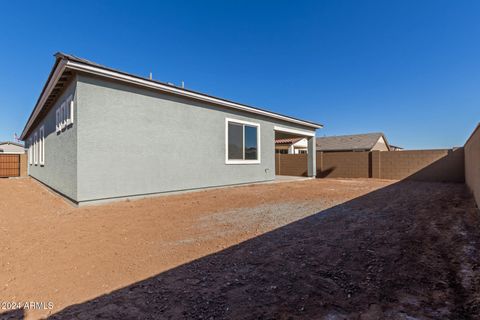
(446, 165)
(472, 163)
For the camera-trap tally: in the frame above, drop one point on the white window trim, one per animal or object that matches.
(253, 124)
(62, 116)
(57, 119)
(70, 106)
(30, 151)
(42, 146)
(35, 148)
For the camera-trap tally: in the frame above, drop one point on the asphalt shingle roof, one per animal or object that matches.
(355, 142)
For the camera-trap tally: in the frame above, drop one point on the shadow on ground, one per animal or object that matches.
(17, 314)
(407, 250)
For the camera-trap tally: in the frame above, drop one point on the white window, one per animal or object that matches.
(63, 117)
(42, 146)
(72, 105)
(57, 120)
(35, 148)
(64, 114)
(69, 110)
(242, 142)
(30, 151)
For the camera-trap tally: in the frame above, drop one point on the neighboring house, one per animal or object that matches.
(97, 133)
(355, 142)
(7, 147)
(395, 148)
(291, 145)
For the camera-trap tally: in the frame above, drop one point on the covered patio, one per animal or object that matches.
(301, 145)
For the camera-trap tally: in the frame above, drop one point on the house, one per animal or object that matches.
(352, 143)
(97, 133)
(291, 145)
(7, 147)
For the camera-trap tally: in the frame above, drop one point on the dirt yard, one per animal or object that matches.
(318, 249)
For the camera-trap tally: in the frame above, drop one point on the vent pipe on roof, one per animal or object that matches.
(151, 76)
(183, 84)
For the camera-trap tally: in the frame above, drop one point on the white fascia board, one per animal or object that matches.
(295, 131)
(155, 85)
(51, 84)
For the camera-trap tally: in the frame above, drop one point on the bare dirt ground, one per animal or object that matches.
(319, 249)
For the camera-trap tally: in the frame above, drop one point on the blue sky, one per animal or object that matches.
(408, 68)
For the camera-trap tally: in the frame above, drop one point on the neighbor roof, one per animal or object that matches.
(68, 62)
(354, 142)
(288, 140)
(13, 143)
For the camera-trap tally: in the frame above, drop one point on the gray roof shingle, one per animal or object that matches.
(354, 142)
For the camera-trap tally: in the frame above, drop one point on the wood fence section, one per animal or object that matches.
(9, 165)
(291, 164)
(446, 165)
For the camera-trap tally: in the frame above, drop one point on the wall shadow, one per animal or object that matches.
(450, 168)
(17, 314)
(325, 173)
(392, 253)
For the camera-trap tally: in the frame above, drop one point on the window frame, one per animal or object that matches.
(70, 106)
(57, 120)
(35, 148)
(63, 120)
(41, 152)
(243, 123)
(30, 151)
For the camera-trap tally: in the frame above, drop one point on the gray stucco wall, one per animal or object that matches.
(133, 141)
(60, 169)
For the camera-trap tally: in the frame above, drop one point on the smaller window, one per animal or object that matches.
(35, 148)
(72, 105)
(57, 120)
(63, 117)
(42, 146)
(65, 114)
(69, 110)
(30, 151)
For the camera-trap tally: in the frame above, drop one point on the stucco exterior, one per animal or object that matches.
(131, 141)
(60, 169)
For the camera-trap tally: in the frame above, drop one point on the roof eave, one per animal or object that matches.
(64, 62)
(57, 70)
(125, 77)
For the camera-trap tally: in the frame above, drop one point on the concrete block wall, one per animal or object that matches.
(343, 164)
(291, 164)
(472, 163)
(423, 165)
(23, 165)
(420, 165)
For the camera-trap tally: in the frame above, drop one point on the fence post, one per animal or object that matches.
(319, 163)
(375, 164)
(311, 158)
